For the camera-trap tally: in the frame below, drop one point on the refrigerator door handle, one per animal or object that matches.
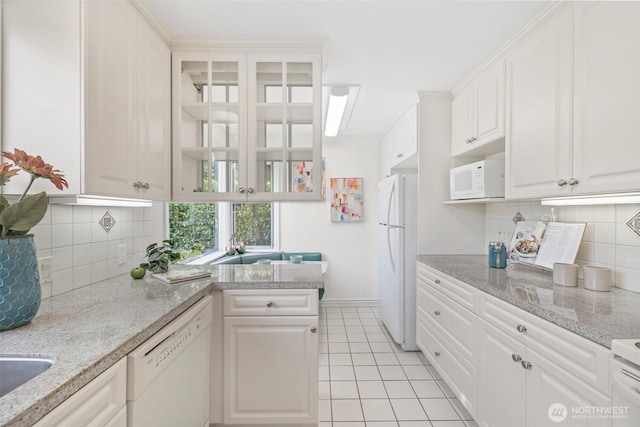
(393, 264)
(393, 190)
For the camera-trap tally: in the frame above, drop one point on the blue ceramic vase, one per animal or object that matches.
(20, 292)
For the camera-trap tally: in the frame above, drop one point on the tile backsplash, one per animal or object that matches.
(608, 241)
(83, 251)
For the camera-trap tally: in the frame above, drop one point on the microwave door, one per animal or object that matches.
(463, 184)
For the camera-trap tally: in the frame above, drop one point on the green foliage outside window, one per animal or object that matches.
(253, 223)
(193, 228)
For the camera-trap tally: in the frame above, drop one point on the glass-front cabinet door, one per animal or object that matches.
(247, 127)
(284, 127)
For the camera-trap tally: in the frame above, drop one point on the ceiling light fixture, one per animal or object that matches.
(338, 98)
(600, 199)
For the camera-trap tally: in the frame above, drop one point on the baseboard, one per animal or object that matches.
(348, 302)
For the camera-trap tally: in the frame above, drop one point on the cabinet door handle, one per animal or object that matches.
(573, 181)
(314, 330)
(525, 364)
(437, 313)
(436, 354)
(516, 357)
(562, 182)
(437, 281)
(241, 190)
(269, 304)
(250, 190)
(521, 328)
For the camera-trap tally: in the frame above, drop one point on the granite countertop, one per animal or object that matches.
(89, 329)
(597, 316)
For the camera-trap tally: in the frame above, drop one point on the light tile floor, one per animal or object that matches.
(366, 380)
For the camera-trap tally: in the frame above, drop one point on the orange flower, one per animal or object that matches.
(6, 172)
(37, 167)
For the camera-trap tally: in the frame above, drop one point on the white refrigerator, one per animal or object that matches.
(397, 251)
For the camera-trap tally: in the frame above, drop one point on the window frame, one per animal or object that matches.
(225, 231)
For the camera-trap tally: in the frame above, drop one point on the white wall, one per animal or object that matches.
(442, 229)
(607, 241)
(350, 248)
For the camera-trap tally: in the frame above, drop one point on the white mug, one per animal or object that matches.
(565, 274)
(597, 278)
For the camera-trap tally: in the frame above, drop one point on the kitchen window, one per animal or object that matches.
(203, 230)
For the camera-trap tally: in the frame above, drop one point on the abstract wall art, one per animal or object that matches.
(346, 199)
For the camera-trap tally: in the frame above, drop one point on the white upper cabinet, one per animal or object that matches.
(539, 104)
(128, 104)
(573, 86)
(477, 114)
(246, 126)
(606, 153)
(399, 146)
(101, 113)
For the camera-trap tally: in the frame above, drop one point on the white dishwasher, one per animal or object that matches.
(168, 375)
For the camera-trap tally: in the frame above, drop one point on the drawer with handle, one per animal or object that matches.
(270, 302)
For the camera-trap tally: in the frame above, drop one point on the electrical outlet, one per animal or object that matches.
(45, 270)
(122, 254)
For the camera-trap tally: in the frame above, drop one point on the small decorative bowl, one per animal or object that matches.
(295, 259)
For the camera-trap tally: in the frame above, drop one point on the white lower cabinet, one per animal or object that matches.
(100, 403)
(506, 366)
(521, 387)
(447, 334)
(270, 356)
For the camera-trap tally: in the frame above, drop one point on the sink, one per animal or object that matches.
(16, 370)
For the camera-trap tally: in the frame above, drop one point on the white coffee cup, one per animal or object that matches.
(565, 274)
(597, 278)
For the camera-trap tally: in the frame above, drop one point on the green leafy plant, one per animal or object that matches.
(18, 218)
(160, 256)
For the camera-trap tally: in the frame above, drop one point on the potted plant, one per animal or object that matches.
(20, 282)
(160, 256)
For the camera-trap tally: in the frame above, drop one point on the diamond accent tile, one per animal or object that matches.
(107, 221)
(634, 223)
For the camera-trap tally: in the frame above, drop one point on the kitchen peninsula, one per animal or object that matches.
(88, 330)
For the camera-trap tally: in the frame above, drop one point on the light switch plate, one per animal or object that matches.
(45, 270)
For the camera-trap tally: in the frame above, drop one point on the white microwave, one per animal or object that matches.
(477, 180)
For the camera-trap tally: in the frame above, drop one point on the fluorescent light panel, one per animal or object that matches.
(601, 199)
(335, 110)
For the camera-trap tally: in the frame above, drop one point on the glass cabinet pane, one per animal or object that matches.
(285, 172)
(209, 126)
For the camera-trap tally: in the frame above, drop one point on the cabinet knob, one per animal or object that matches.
(516, 357)
(314, 330)
(436, 354)
(145, 186)
(472, 139)
(468, 141)
(521, 328)
(437, 313)
(525, 364)
(250, 190)
(437, 281)
(399, 156)
(137, 184)
(562, 182)
(241, 189)
(573, 181)
(269, 304)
